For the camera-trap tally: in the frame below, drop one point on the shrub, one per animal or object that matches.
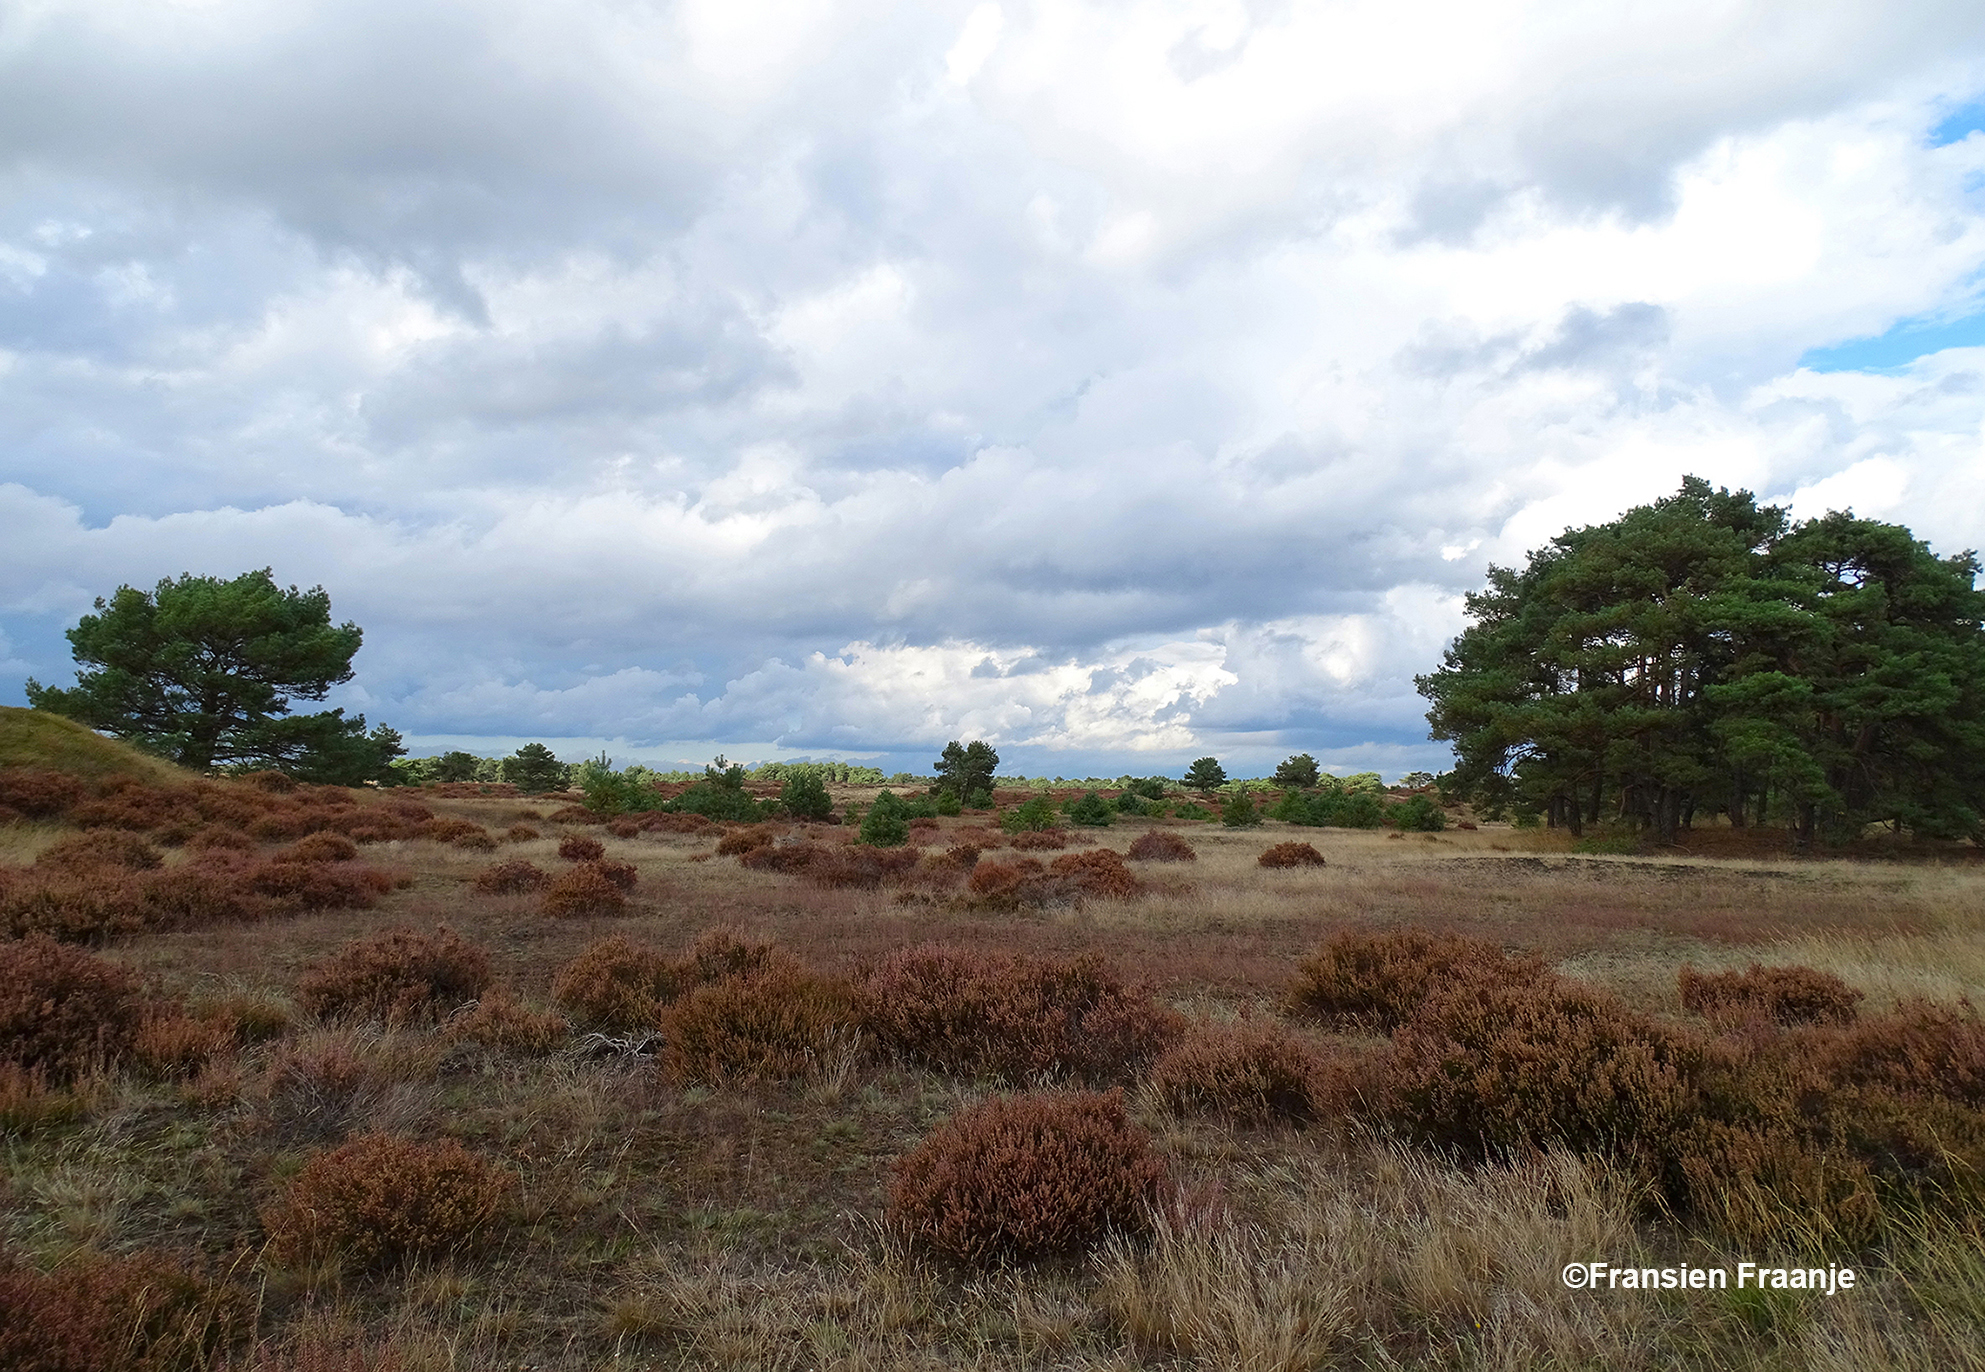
(1777, 995)
(1380, 980)
(859, 865)
(1192, 810)
(1018, 1018)
(776, 1025)
(1034, 840)
(512, 878)
(1417, 814)
(1490, 1066)
(722, 952)
(524, 833)
(1098, 872)
(63, 1010)
(37, 792)
(1161, 845)
(320, 885)
(1291, 855)
(322, 846)
(1255, 1071)
(448, 829)
(1090, 810)
(219, 838)
(1033, 815)
(741, 841)
(616, 983)
(1020, 1177)
(585, 889)
(399, 977)
(886, 825)
(805, 796)
(1239, 811)
(581, 848)
(71, 907)
(790, 858)
(171, 1043)
(1919, 1050)
(502, 1022)
(379, 1199)
(142, 1312)
(114, 849)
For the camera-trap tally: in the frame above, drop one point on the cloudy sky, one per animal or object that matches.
(1120, 383)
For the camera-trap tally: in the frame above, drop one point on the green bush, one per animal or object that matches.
(981, 799)
(1239, 811)
(1150, 788)
(948, 804)
(1419, 815)
(805, 796)
(1091, 810)
(720, 795)
(887, 823)
(1035, 814)
(1192, 810)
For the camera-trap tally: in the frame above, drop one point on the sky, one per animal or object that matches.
(1120, 383)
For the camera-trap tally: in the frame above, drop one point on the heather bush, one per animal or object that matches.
(792, 859)
(171, 1044)
(1017, 1018)
(524, 833)
(1162, 845)
(1291, 855)
(399, 977)
(37, 792)
(141, 1312)
(1099, 873)
(581, 848)
(741, 841)
(381, 1199)
(1021, 1177)
(500, 1021)
(1035, 840)
(616, 983)
(63, 1010)
(448, 829)
(859, 866)
(322, 846)
(515, 877)
(320, 885)
(723, 952)
(1379, 980)
(774, 1025)
(71, 907)
(1496, 1065)
(1255, 1071)
(116, 850)
(1920, 1050)
(585, 889)
(1774, 995)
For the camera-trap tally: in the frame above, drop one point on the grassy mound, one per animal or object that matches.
(36, 738)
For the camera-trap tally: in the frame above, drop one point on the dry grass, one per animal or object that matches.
(674, 1223)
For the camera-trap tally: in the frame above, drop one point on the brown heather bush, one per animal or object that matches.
(299, 886)
(217, 838)
(448, 829)
(524, 833)
(575, 814)
(63, 1010)
(1099, 873)
(583, 890)
(37, 792)
(502, 1022)
(616, 983)
(1291, 855)
(1033, 839)
(1255, 1071)
(1021, 1177)
(1019, 1018)
(114, 850)
(477, 842)
(70, 907)
(398, 977)
(661, 822)
(791, 859)
(1162, 845)
(1379, 980)
(581, 848)
(28, 1102)
(512, 878)
(1494, 1066)
(859, 866)
(776, 1025)
(322, 846)
(620, 828)
(171, 1044)
(138, 1313)
(741, 841)
(379, 1199)
(1920, 1050)
(725, 952)
(270, 780)
(1770, 995)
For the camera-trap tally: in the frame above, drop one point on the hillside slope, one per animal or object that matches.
(36, 738)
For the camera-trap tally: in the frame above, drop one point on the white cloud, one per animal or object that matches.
(1145, 377)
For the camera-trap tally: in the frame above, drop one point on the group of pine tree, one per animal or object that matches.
(1710, 656)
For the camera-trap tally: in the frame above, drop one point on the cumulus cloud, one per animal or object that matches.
(1130, 380)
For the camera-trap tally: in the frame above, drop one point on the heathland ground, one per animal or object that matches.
(708, 1171)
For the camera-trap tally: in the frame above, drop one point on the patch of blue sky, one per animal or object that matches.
(1959, 124)
(1908, 340)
